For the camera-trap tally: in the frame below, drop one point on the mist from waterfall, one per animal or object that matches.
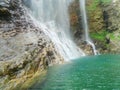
(53, 18)
(85, 25)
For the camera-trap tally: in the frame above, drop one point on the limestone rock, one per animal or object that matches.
(24, 48)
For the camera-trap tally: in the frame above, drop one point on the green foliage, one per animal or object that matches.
(105, 1)
(114, 37)
(95, 3)
(119, 37)
(93, 6)
(99, 35)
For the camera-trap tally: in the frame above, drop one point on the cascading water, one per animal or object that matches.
(52, 17)
(85, 25)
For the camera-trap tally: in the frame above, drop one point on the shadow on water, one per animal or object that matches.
(100, 72)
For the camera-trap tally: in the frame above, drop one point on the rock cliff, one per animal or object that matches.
(24, 48)
(103, 20)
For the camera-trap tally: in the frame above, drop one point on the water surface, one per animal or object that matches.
(88, 73)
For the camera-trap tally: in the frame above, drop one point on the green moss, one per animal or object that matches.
(99, 35)
(105, 1)
(119, 37)
(95, 3)
(114, 37)
(100, 38)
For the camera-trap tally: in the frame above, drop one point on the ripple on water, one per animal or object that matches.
(89, 73)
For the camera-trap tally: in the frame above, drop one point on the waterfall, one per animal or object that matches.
(85, 25)
(53, 18)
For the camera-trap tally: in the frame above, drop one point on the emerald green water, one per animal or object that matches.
(88, 73)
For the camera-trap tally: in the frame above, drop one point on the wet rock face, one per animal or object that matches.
(112, 15)
(77, 27)
(113, 25)
(9, 3)
(5, 11)
(8, 8)
(104, 27)
(24, 48)
(5, 14)
(5, 3)
(75, 19)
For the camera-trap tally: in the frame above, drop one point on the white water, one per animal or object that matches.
(85, 25)
(53, 18)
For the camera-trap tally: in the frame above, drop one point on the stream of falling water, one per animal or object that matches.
(53, 18)
(85, 25)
